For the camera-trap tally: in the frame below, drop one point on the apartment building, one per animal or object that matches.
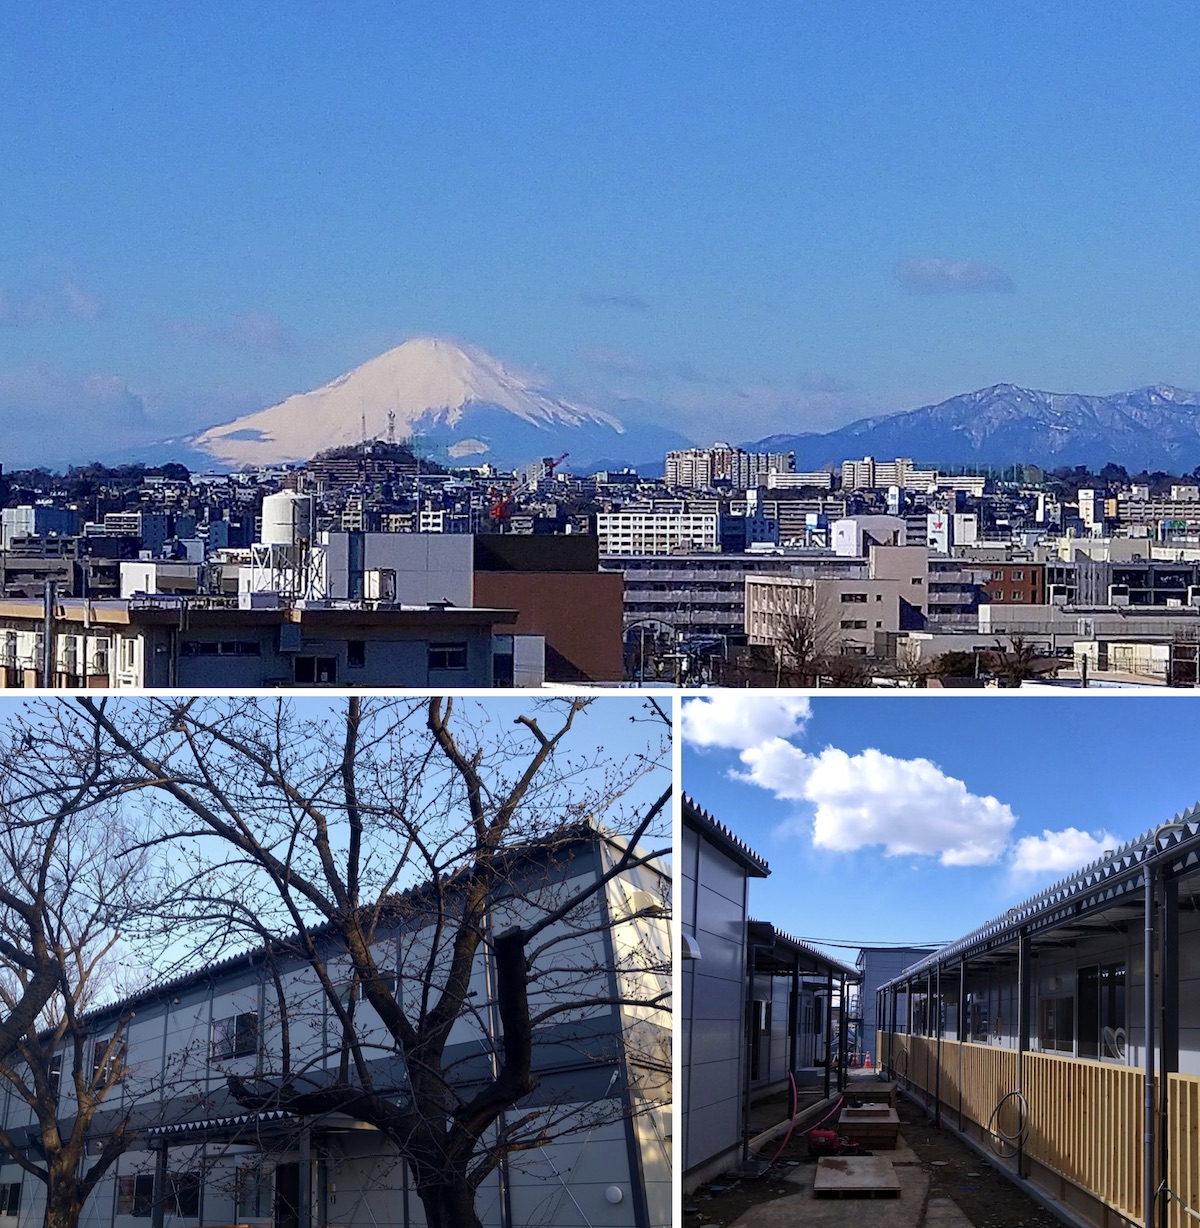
(701, 468)
(756, 1002)
(177, 642)
(637, 533)
(1021, 583)
(850, 616)
(201, 1158)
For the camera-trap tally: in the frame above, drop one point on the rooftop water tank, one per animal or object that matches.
(288, 518)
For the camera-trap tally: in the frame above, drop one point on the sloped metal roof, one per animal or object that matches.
(799, 946)
(697, 817)
(1098, 885)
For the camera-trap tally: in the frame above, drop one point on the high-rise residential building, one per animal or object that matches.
(699, 468)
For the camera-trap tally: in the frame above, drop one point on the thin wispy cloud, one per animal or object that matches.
(257, 332)
(935, 275)
(618, 362)
(615, 302)
(42, 406)
(30, 308)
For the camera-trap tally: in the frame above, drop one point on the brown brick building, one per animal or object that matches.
(1016, 583)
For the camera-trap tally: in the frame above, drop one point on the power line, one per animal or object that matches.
(851, 943)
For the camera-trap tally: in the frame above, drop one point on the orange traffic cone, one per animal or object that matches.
(867, 1061)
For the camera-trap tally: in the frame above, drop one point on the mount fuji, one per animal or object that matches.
(459, 403)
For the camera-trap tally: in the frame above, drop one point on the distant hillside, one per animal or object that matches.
(1150, 428)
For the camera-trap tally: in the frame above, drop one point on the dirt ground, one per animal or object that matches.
(985, 1196)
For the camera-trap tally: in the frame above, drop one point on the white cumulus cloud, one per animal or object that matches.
(909, 806)
(1059, 852)
(737, 721)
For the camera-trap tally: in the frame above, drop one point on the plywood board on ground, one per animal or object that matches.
(856, 1177)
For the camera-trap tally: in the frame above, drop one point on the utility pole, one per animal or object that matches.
(48, 635)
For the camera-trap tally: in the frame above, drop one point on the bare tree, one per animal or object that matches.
(398, 848)
(41, 791)
(66, 896)
(806, 638)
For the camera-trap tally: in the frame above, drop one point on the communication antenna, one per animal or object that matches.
(391, 435)
(364, 426)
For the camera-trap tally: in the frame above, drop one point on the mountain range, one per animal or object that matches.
(1149, 428)
(460, 405)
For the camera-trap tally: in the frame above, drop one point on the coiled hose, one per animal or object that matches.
(1012, 1140)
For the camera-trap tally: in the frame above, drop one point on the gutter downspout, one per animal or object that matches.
(964, 1027)
(1148, 1014)
(1168, 1043)
(892, 998)
(937, 1076)
(843, 1038)
(828, 1027)
(1023, 958)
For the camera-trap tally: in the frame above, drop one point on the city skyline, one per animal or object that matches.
(779, 225)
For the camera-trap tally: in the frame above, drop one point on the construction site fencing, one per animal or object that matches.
(1084, 1117)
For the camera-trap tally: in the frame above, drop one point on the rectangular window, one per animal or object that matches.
(1016, 596)
(55, 1074)
(235, 1036)
(135, 1195)
(356, 654)
(352, 991)
(448, 656)
(1056, 1032)
(1018, 574)
(102, 1064)
(10, 1197)
(319, 671)
(1102, 1011)
(850, 598)
(185, 1195)
(1112, 1011)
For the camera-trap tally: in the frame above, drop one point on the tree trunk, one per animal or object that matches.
(449, 1204)
(63, 1209)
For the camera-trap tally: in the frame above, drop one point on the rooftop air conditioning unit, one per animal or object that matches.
(379, 584)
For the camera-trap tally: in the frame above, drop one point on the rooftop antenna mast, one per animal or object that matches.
(364, 426)
(391, 434)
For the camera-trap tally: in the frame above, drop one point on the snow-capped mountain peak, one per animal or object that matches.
(431, 385)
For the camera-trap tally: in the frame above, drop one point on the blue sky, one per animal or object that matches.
(910, 819)
(731, 220)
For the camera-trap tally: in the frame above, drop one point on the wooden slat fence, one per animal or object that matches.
(1085, 1122)
(1183, 1133)
(1085, 1118)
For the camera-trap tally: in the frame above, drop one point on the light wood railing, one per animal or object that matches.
(1183, 1134)
(1085, 1117)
